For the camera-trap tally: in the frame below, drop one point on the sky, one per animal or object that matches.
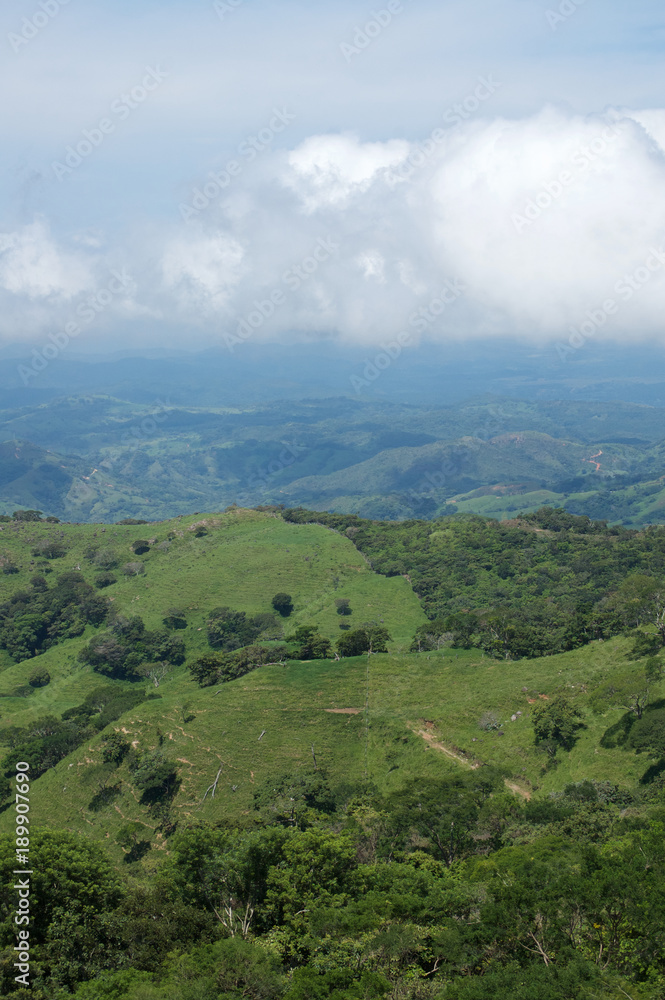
(190, 174)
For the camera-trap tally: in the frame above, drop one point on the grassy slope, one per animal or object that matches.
(246, 558)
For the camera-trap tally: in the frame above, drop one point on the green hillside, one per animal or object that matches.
(380, 805)
(100, 458)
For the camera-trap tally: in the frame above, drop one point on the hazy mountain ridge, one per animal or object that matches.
(103, 458)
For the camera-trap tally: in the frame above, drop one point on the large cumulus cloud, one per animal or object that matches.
(538, 219)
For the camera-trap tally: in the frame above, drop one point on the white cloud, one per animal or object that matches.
(202, 272)
(34, 266)
(328, 170)
(537, 217)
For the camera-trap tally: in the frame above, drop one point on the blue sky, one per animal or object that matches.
(353, 109)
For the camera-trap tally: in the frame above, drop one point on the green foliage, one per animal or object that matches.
(116, 748)
(647, 735)
(127, 644)
(283, 604)
(311, 645)
(228, 629)
(47, 740)
(27, 515)
(297, 799)
(646, 644)
(31, 622)
(369, 638)
(549, 583)
(220, 668)
(39, 677)
(555, 724)
(155, 776)
(627, 689)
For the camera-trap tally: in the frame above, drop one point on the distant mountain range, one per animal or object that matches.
(101, 458)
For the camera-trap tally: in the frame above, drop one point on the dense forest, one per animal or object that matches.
(546, 583)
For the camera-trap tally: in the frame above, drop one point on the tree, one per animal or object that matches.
(133, 569)
(283, 604)
(648, 733)
(206, 669)
(312, 645)
(343, 605)
(39, 677)
(368, 639)
(224, 872)
(627, 689)
(176, 618)
(155, 672)
(27, 515)
(156, 777)
(555, 724)
(140, 546)
(129, 838)
(116, 748)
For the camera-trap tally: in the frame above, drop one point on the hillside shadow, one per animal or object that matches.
(104, 797)
(137, 851)
(652, 772)
(618, 734)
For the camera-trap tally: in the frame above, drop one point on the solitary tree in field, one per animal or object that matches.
(283, 604)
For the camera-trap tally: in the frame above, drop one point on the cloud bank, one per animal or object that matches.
(535, 221)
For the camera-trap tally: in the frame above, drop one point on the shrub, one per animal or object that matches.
(363, 640)
(39, 677)
(140, 546)
(648, 733)
(49, 549)
(343, 605)
(283, 604)
(311, 645)
(489, 721)
(104, 580)
(175, 619)
(105, 559)
(116, 748)
(556, 724)
(133, 569)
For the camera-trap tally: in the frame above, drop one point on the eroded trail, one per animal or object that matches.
(437, 745)
(592, 460)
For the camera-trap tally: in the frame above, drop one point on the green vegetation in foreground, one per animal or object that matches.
(412, 825)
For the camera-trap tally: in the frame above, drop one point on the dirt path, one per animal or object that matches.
(444, 749)
(592, 462)
(517, 789)
(343, 711)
